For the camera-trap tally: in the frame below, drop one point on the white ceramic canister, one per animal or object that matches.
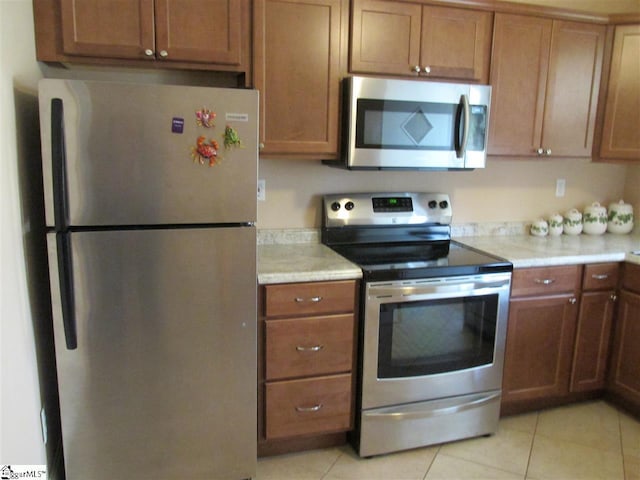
(620, 217)
(539, 228)
(594, 220)
(555, 224)
(572, 222)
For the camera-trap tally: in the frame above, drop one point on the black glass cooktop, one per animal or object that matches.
(384, 262)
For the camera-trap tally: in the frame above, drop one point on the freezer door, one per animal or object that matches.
(162, 383)
(129, 154)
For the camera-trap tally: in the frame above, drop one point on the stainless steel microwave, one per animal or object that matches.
(414, 124)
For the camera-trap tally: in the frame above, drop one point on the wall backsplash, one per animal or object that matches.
(504, 191)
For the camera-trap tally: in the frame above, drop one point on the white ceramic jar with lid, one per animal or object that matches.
(539, 228)
(594, 220)
(555, 224)
(572, 223)
(620, 217)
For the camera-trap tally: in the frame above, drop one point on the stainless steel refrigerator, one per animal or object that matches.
(150, 200)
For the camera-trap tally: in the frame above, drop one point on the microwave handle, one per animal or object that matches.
(463, 116)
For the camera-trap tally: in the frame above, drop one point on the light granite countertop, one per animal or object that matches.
(298, 256)
(529, 251)
(302, 262)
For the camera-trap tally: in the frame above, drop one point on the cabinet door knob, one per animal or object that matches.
(573, 300)
(544, 281)
(540, 151)
(148, 52)
(547, 151)
(614, 297)
(416, 69)
(164, 53)
(427, 70)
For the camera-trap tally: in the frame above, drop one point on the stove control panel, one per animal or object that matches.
(386, 209)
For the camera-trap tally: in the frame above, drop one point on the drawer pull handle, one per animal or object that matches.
(545, 281)
(602, 276)
(315, 348)
(315, 408)
(312, 299)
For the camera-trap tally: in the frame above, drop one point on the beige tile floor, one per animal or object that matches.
(591, 440)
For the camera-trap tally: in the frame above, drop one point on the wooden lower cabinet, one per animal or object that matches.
(592, 341)
(539, 350)
(306, 354)
(624, 370)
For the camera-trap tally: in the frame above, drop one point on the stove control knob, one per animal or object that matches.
(349, 205)
(335, 206)
(444, 204)
(433, 204)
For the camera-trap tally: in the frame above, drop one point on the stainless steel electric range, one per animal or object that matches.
(433, 321)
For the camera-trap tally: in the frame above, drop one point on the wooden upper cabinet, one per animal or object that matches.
(545, 76)
(621, 130)
(385, 37)
(117, 29)
(299, 60)
(208, 31)
(204, 34)
(398, 38)
(456, 43)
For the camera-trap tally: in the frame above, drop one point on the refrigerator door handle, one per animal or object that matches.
(65, 275)
(58, 165)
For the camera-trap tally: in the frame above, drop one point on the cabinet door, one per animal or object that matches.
(456, 43)
(107, 28)
(592, 341)
(575, 67)
(539, 350)
(298, 65)
(206, 31)
(520, 62)
(624, 375)
(621, 130)
(385, 37)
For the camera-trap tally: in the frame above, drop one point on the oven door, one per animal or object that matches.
(433, 338)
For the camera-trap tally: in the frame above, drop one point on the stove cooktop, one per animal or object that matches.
(398, 262)
(395, 236)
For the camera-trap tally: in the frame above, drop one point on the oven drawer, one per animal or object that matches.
(600, 276)
(302, 347)
(309, 406)
(545, 280)
(312, 298)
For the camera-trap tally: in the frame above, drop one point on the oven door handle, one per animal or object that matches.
(413, 290)
(420, 411)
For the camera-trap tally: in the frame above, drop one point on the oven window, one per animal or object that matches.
(436, 336)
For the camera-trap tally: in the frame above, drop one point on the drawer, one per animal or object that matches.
(600, 276)
(295, 299)
(309, 406)
(309, 346)
(545, 280)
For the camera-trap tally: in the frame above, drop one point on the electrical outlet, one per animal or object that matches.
(262, 194)
(560, 187)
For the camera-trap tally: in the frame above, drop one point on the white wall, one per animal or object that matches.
(21, 438)
(506, 190)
